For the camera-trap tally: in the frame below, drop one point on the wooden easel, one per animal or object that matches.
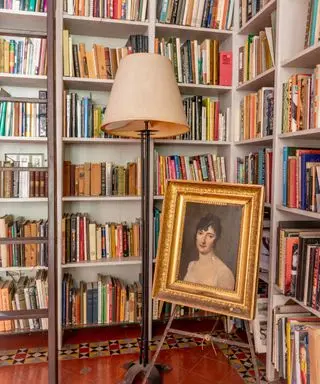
(205, 337)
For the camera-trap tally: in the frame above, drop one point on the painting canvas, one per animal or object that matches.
(209, 246)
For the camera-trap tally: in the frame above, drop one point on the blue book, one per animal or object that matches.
(304, 159)
(89, 304)
(95, 303)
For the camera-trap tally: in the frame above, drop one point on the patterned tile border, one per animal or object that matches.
(239, 358)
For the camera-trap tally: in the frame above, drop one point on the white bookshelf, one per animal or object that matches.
(93, 26)
(122, 261)
(307, 58)
(17, 80)
(265, 79)
(23, 88)
(88, 84)
(21, 22)
(261, 19)
(190, 142)
(290, 57)
(98, 140)
(258, 141)
(186, 32)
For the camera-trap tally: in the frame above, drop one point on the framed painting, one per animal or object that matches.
(209, 246)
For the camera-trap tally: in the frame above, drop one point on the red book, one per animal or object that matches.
(225, 71)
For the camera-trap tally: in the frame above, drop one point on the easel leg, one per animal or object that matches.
(155, 356)
(253, 353)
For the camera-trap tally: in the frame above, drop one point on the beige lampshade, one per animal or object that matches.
(145, 89)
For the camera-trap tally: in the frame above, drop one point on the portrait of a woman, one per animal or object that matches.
(209, 269)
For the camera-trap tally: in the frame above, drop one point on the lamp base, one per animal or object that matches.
(136, 373)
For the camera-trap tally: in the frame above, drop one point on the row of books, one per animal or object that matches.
(23, 255)
(312, 34)
(99, 63)
(249, 8)
(256, 168)
(301, 177)
(112, 9)
(257, 55)
(296, 335)
(206, 167)
(24, 5)
(206, 120)
(23, 55)
(81, 117)
(22, 119)
(25, 294)
(162, 311)
(300, 102)
(216, 14)
(85, 240)
(101, 179)
(197, 63)
(257, 114)
(298, 261)
(105, 301)
(15, 183)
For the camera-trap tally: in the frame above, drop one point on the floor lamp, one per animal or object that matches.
(145, 102)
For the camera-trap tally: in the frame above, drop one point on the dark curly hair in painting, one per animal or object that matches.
(209, 221)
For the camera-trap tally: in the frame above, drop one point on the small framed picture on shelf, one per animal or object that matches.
(209, 246)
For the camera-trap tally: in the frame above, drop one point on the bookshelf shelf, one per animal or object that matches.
(309, 309)
(300, 212)
(304, 134)
(100, 27)
(21, 269)
(107, 262)
(158, 197)
(23, 99)
(81, 326)
(264, 276)
(24, 200)
(191, 33)
(308, 58)
(23, 22)
(35, 81)
(265, 79)
(260, 20)
(101, 198)
(23, 332)
(98, 140)
(191, 142)
(203, 90)
(267, 205)
(23, 139)
(258, 141)
(88, 84)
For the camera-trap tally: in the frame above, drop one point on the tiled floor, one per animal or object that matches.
(190, 366)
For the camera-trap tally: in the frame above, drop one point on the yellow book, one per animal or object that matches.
(66, 59)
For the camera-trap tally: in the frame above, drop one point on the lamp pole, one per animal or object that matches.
(145, 190)
(139, 370)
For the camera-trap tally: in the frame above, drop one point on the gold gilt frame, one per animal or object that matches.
(167, 286)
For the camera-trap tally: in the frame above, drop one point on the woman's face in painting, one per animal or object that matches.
(205, 240)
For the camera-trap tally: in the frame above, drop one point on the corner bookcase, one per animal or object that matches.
(290, 57)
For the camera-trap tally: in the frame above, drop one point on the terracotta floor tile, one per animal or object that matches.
(22, 374)
(231, 379)
(207, 368)
(194, 378)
